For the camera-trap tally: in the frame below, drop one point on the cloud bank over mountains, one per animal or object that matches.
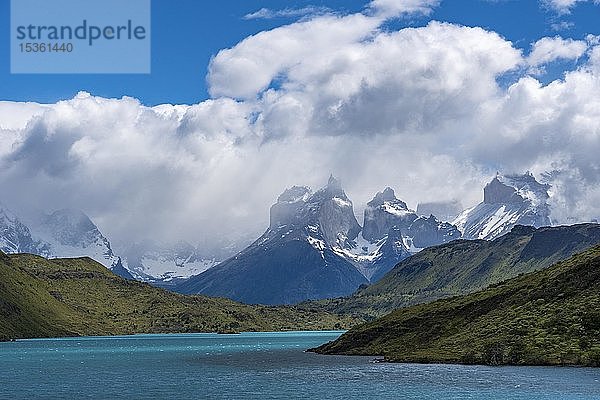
(433, 111)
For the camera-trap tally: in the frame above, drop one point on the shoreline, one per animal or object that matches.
(380, 359)
(127, 335)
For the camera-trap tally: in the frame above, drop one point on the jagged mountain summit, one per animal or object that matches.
(294, 259)
(386, 212)
(396, 232)
(508, 200)
(315, 248)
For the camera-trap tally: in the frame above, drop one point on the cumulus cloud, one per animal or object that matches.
(418, 109)
(251, 66)
(549, 49)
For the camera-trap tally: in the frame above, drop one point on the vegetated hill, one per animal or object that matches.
(548, 317)
(71, 297)
(464, 266)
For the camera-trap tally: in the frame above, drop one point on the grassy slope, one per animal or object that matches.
(44, 298)
(462, 267)
(549, 317)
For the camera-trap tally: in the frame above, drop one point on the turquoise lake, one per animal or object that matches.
(257, 366)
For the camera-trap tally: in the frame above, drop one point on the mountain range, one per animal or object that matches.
(314, 247)
(69, 233)
(165, 264)
(63, 233)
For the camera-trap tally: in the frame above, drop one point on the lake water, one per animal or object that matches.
(257, 366)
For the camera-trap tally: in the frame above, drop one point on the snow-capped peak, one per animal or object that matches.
(516, 188)
(384, 212)
(327, 210)
(15, 236)
(508, 200)
(387, 196)
(71, 233)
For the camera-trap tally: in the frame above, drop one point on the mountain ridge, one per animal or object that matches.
(464, 266)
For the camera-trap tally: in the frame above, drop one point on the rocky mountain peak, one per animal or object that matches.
(332, 190)
(334, 184)
(515, 188)
(384, 212)
(328, 213)
(290, 208)
(387, 196)
(294, 194)
(508, 200)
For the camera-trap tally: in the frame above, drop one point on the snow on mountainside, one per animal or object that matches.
(314, 248)
(15, 236)
(62, 234)
(507, 201)
(71, 233)
(294, 260)
(394, 232)
(151, 262)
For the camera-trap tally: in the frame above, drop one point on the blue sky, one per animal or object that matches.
(187, 33)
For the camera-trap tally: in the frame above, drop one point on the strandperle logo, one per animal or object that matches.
(85, 31)
(75, 36)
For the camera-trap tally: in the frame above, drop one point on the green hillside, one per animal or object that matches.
(548, 317)
(70, 297)
(465, 266)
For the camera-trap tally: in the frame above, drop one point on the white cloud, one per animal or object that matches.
(16, 115)
(253, 64)
(418, 109)
(394, 8)
(562, 26)
(564, 6)
(549, 49)
(359, 80)
(267, 13)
